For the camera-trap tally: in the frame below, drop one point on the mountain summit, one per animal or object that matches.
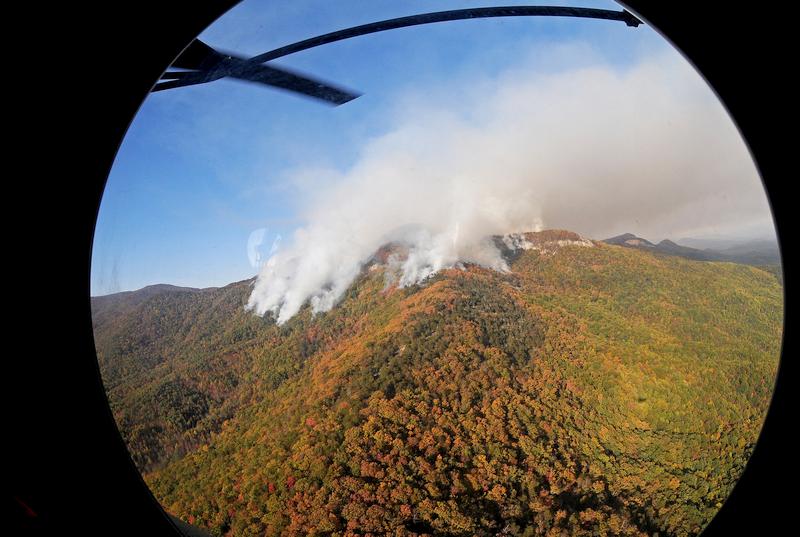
(629, 239)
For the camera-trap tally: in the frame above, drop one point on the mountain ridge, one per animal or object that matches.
(760, 252)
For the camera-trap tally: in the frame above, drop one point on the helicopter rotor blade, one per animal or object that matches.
(453, 15)
(292, 81)
(174, 75)
(208, 64)
(198, 56)
(217, 65)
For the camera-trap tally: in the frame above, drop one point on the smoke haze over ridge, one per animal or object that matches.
(598, 150)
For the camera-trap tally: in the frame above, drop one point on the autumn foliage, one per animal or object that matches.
(590, 391)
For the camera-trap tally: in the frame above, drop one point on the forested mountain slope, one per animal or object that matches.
(593, 389)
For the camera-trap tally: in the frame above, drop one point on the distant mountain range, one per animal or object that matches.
(752, 252)
(127, 299)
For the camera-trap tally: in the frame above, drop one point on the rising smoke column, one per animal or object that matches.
(597, 150)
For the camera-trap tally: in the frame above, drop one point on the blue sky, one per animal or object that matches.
(203, 167)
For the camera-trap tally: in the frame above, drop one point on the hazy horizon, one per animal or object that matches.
(727, 238)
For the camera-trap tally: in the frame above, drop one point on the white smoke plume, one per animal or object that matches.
(599, 151)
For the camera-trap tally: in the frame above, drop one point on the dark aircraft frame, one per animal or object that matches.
(203, 63)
